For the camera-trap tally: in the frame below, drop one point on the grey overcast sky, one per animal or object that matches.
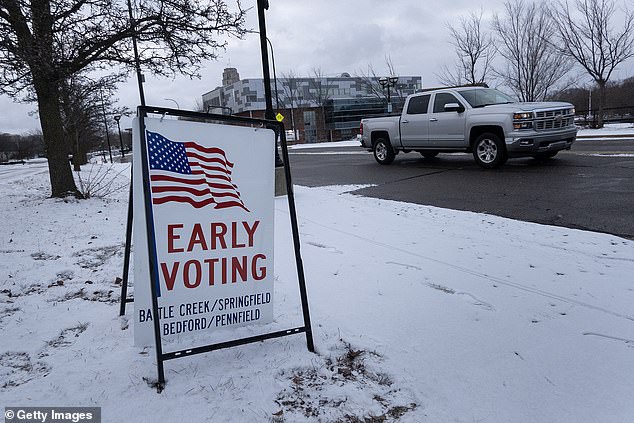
(333, 35)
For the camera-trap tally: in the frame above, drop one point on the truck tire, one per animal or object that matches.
(383, 151)
(429, 154)
(489, 151)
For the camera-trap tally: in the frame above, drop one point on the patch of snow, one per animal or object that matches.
(332, 153)
(608, 129)
(419, 314)
(612, 155)
(349, 143)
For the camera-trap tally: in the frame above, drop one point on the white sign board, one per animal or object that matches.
(212, 203)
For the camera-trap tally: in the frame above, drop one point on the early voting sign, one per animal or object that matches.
(211, 208)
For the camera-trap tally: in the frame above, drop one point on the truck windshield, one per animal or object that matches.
(480, 97)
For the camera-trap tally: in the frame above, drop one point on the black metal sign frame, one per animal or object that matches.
(278, 127)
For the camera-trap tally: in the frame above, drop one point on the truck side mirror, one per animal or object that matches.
(454, 107)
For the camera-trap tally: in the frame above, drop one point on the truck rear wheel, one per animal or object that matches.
(383, 151)
(489, 151)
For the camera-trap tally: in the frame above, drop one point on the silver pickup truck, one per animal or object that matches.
(474, 119)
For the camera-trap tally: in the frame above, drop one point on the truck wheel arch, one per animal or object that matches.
(379, 134)
(476, 131)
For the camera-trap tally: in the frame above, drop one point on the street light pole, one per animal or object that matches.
(118, 118)
(268, 114)
(277, 98)
(387, 82)
(105, 122)
(175, 102)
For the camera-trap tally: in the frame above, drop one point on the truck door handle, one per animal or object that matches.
(405, 121)
(433, 120)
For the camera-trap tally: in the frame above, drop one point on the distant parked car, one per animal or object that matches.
(290, 135)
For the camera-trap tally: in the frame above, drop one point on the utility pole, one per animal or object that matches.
(268, 114)
(137, 60)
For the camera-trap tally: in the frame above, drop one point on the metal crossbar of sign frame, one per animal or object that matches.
(146, 138)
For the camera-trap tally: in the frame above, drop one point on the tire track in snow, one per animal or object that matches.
(479, 275)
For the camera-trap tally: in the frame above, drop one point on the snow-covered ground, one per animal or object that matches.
(420, 314)
(607, 130)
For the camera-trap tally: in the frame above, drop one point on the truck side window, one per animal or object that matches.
(441, 99)
(418, 105)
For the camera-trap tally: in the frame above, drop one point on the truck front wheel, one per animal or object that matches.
(489, 151)
(383, 151)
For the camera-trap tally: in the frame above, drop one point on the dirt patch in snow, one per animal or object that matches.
(345, 388)
(17, 368)
(93, 258)
(99, 295)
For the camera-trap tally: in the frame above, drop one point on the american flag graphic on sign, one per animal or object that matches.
(187, 172)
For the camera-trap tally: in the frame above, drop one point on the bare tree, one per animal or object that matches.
(290, 89)
(474, 49)
(83, 102)
(533, 66)
(590, 38)
(397, 90)
(45, 42)
(371, 79)
(321, 92)
(291, 93)
(20, 146)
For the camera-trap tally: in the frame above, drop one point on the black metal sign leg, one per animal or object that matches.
(126, 255)
(151, 245)
(296, 243)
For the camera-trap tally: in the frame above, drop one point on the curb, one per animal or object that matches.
(607, 136)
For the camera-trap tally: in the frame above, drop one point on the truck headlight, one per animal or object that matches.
(522, 115)
(522, 120)
(522, 125)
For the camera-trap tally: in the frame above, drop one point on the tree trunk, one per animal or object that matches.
(62, 182)
(601, 103)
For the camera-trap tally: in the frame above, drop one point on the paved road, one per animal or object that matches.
(590, 187)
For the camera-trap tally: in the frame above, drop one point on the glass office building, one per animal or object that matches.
(318, 108)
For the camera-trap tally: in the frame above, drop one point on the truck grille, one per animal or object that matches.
(553, 119)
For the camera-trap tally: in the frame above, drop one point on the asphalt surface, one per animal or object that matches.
(590, 187)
